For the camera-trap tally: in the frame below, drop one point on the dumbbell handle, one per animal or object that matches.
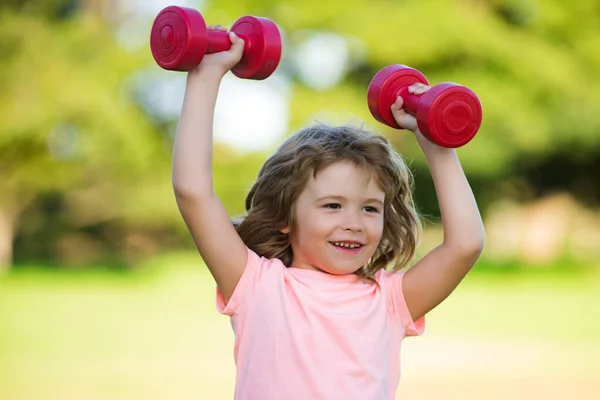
(411, 101)
(219, 41)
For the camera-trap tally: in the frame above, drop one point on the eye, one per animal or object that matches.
(333, 206)
(371, 209)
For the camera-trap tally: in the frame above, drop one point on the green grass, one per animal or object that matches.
(155, 334)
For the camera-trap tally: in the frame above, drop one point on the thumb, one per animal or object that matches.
(403, 119)
(396, 108)
(237, 44)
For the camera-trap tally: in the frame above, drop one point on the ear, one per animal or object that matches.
(285, 230)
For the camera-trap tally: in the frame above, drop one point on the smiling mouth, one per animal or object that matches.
(347, 245)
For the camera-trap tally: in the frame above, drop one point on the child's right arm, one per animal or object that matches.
(220, 246)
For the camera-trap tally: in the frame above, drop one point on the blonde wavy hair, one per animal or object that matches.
(281, 179)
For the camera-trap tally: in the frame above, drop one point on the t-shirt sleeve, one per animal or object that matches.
(245, 287)
(398, 305)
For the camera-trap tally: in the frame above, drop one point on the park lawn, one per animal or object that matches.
(155, 334)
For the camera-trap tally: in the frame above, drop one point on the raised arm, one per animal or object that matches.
(438, 273)
(215, 237)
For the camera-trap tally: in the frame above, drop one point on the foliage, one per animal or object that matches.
(72, 132)
(84, 166)
(533, 64)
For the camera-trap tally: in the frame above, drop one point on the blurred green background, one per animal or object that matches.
(102, 295)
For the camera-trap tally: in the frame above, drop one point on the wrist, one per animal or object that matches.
(424, 143)
(430, 148)
(205, 76)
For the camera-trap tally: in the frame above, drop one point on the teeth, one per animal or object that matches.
(347, 245)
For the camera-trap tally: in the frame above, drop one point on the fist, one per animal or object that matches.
(404, 119)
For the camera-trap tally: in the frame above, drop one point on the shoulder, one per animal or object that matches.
(390, 282)
(257, 261)
(258, 267)
(388, 277)
(259, 272)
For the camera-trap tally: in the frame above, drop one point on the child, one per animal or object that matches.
(315, 314)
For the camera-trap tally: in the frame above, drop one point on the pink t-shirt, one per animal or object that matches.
(304, 334)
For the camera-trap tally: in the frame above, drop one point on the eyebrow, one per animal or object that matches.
(340, 198)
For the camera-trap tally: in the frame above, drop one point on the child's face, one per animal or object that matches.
(338, 220)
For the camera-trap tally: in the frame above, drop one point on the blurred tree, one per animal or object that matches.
(47, 9)
(84, 169)
(72, 127)
(534, 65)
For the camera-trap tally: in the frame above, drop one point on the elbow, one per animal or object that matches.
(182, 191)
(186, 189)
(475, 250)
(473, 247)
(476, 244)
(469, 248)
(190, 196)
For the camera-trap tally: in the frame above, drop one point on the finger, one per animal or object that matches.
(397, 110)
(418, 88)
(398, 104)
(216, 28)
(413, 88)
(237, 43)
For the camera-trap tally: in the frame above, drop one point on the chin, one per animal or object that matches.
(340, 271)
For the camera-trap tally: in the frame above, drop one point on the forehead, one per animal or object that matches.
(346, 179)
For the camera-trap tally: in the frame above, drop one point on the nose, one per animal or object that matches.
(352, 223)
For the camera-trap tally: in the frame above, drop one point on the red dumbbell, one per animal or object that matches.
(447, 114)
(179, 40)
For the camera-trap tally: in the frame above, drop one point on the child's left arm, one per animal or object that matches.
(438, 273)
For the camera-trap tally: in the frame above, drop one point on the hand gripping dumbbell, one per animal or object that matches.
(179, 40)
(447, 114)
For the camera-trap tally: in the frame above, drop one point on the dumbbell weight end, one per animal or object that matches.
(179, 40)
(447, 114)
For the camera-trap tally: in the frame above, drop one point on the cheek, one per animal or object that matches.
(377, 228)
(318, 228)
